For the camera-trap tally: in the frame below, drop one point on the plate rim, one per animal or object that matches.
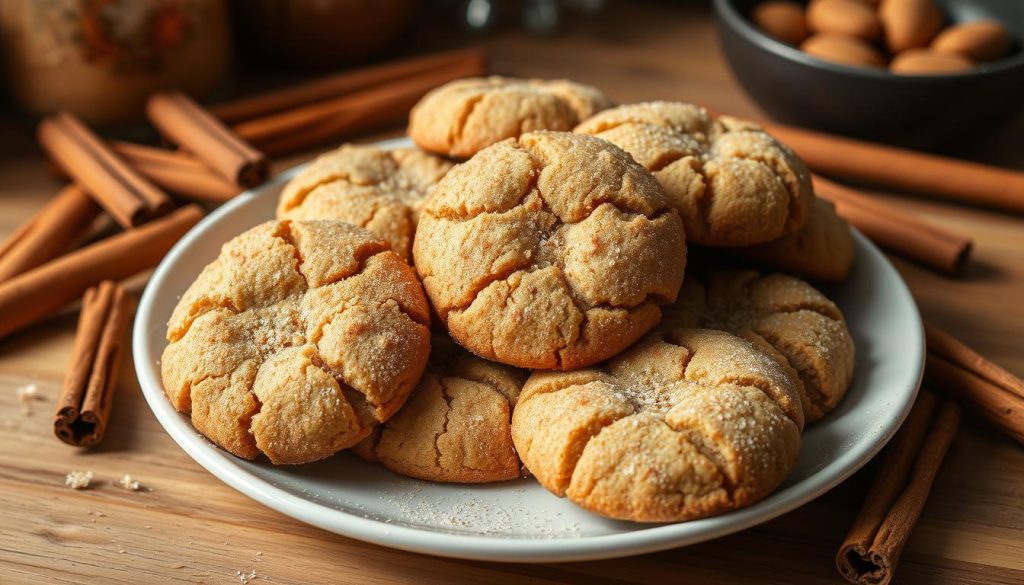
(482, 547)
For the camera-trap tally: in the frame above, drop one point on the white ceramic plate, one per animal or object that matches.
(519, 520)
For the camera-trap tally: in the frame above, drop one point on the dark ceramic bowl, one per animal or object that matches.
(932, 111)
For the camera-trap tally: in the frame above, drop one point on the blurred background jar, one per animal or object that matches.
(101, 59)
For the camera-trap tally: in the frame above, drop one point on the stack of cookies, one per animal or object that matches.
(508, 299)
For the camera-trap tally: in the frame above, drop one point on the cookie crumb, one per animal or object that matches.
(78, 480)
(27, 394)
(130, 484)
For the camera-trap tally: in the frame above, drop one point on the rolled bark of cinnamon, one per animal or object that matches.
(49, 233)
(908, 170)
(314, 124)
(994, 393)
(186, 124)
(126, 195)
(336, 85)
(32, 295)
(871, 551)
(83, 408)
(898, 231)
(178, 172)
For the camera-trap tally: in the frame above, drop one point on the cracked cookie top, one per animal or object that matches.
(298, 338)
(377, 189)
(456, 426)
(553, 250)
(788, 319)
(823, 249)
(683, 425)
(465, 116)
(732, 183)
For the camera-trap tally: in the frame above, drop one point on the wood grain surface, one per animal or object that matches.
(188, 527)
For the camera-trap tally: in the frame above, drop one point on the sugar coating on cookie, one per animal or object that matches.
(550, 251)
(465, 116)
(374, 188)
(296, 340)
(785, 317)
(683, 425)
(732, 183)
(823, 249)
(456, 426)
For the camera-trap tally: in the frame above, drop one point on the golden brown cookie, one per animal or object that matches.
(463, 117)
(823, 249)
(297, 339)
(456, 426)
(785, 317)
(377, 189)
(550, 251)
(732, 183)
(683, 425)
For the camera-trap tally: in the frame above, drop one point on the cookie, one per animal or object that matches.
(553, 250)
(732, 183)
(296, 340)
(683, 425)
(456, 426)
(823, 249)
(374, 188)
(785, 317)
(463, 117)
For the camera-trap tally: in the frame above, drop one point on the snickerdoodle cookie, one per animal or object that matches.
(732, 183)
(297, 339)
(684, 424)
(785, 317)
(553, 250)
(456, 426)
(377, 189)
(823, 249)
(463, 117)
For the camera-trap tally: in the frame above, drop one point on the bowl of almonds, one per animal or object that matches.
(929, 74)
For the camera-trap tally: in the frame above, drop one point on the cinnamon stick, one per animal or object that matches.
(186, 124)
(903, 169)
(32, 295)
(320, 122)
(126, 195)
(49, 233)
(871, 551)
(336, 85)
(994, 393)
(88, 394)
(178, 172)
(898, 231)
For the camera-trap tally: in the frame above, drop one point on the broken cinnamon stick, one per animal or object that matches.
(126, 195)
(32, 295)
(88, 394)
(333, 86)
(994, 393)
(320, 122)
(871, 551)
(49, 233)
(900, 168)
(184, 123)
(898, 231)
(178, 172)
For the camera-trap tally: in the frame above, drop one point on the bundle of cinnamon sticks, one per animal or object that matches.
(41, 270)
(871, 550)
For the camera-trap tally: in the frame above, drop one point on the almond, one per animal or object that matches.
(909, 23)
(781, 19)
(846, 17)
(928, 62)
(843, 49)
(981, 40)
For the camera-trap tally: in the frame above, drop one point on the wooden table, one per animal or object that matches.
(189, 527)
